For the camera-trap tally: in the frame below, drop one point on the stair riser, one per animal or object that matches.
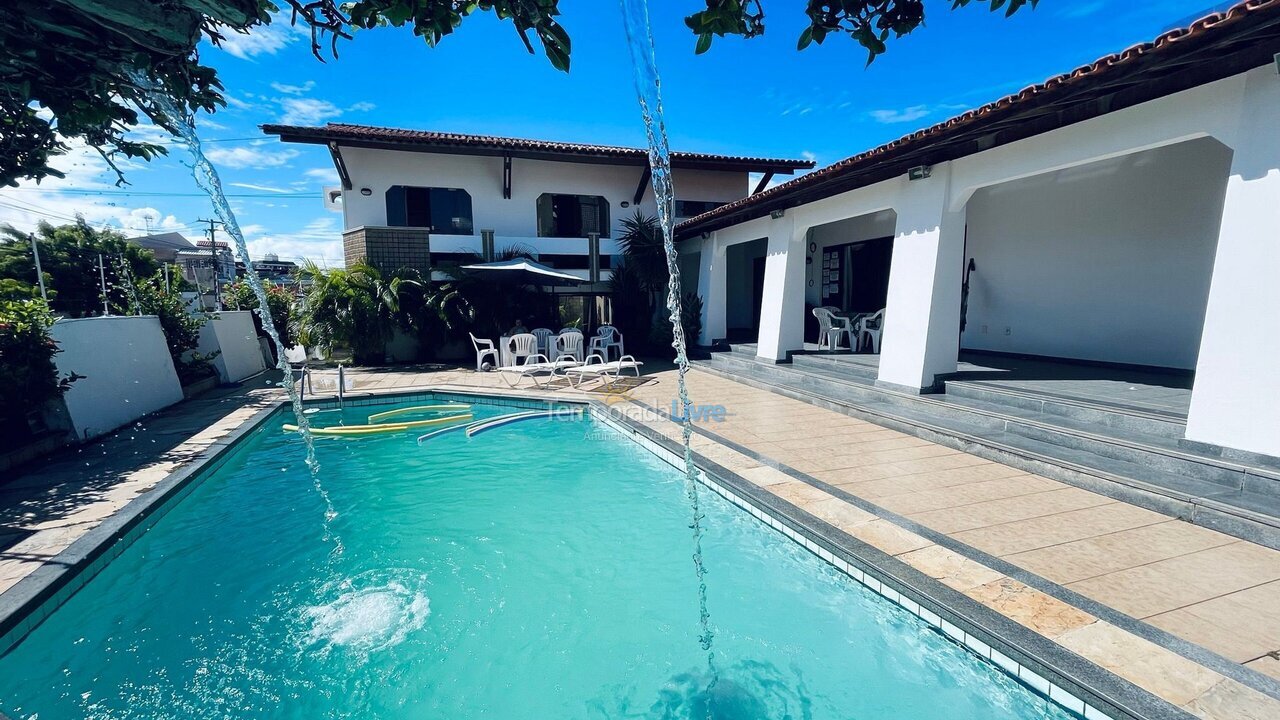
(818, 361)
(1237, 526)
(852, 392)
(1118, 420)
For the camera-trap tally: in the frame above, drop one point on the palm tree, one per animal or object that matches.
(356, 307)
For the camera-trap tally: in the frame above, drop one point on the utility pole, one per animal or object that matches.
(213, 252)
(35, 250)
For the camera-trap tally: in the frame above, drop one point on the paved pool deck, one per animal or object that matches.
(1186, 613)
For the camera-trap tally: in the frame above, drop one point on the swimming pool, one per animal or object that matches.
(541, 570)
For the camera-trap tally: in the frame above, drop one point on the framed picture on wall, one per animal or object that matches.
(826, 261)
(835, 260)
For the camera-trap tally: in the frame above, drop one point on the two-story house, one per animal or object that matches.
(428, 199)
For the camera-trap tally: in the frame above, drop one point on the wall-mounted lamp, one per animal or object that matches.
(777, 214)
(626, 204)
(366, 192)
(919, 172)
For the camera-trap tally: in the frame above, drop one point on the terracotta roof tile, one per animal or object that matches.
(341, 132)
(1168, 43)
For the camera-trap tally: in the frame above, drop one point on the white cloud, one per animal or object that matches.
(362, 107)
(319, 240)
(263, 188)
(302, 89)
(307, 111)
(262, 40)
(30, 203)
(250, 157)
(323, 174)
(915, 112)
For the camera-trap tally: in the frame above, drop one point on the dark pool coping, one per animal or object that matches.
(38, 595)
(1097, 686)
(1196, 653)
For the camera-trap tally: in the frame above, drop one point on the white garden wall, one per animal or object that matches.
(232, 335)
(1109, 261)
(126, 367)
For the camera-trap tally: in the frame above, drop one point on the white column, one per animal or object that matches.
(782, 304)
(922, 315)
(1236, 399)
(711, 288)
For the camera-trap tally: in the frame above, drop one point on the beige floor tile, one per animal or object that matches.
(950, 567)
(967, 494)
(798, 493)
(1242, 625)
(1185, 580)
(1141, 662)
(1268, 665)
(765, 476)
(839, 513)
(857, 458)
(1090, 557)
(887, 537)
(898, 484)
(933, 464)
(1230, 700)
(997, 512)
(1032, 608)
(1057, 528)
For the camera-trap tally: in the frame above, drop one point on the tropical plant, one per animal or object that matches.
(28, 376)
(239, 295)
(355, 308)
(662, 338)
(71, 66)
(69, 257)
(643, 249)
(181, 328)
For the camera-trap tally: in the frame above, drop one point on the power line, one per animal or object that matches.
(156, 193)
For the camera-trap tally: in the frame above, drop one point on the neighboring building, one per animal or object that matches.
(423, 199)
(200, 263)
(271, 268)
(1127, 212)
(165, 246)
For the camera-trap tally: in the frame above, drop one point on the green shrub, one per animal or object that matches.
(239, 295)
(181, 328)
(28, 376)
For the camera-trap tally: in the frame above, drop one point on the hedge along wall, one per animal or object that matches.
(126, 367)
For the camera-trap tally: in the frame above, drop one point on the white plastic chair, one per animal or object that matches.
(869, 329)
(545, 339)
(607, 337)
(830, 329)
(569, 343)
(484, 348)
(296, 356)
(524, 348)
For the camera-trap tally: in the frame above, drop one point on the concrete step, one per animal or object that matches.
(855, 365)
(1150, 470)
(1125, 419)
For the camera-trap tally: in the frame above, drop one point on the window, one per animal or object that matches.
(693, 208)
(446, 211)
(572, 216)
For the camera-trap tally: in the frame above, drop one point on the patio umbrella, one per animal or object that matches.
(524, 270)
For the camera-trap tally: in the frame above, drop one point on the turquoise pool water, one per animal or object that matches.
(540, 570)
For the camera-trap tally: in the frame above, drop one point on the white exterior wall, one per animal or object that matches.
(126, 367)
(231, 334)
(856, 229)
(515, 220)
(1235, 403)
(1108, 261)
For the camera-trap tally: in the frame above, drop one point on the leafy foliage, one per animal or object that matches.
(181, 328)
(239, 295)
(356, 308)
(870, 23)
(661, 337)
(28, 376)
(69, 259)
(67, 66)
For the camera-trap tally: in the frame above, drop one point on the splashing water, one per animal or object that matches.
(370, 612)
(635, 20)
(179, 121)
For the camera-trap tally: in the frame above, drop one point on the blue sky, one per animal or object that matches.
(757, 97)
